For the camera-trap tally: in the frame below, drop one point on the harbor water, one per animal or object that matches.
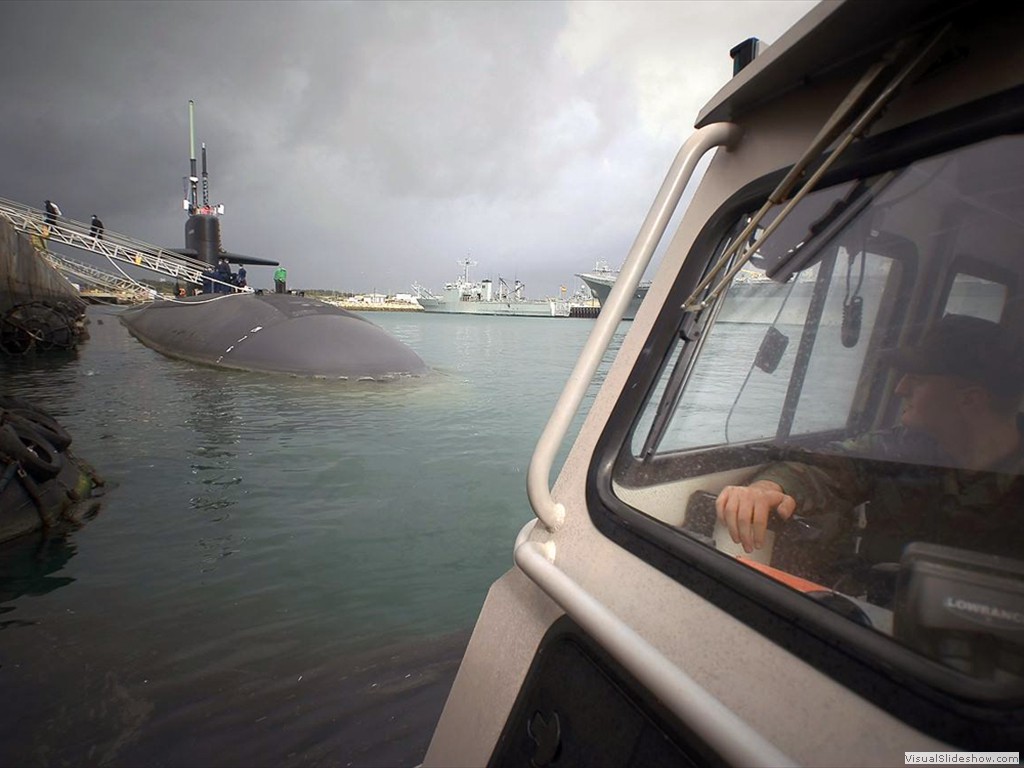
(282, 571)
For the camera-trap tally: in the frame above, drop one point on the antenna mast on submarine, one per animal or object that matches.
(191, 202)
(193, 197)
(206, 181)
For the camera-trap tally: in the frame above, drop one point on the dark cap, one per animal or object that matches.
(971, 348)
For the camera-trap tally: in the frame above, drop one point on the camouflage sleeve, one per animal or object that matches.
(833, 481)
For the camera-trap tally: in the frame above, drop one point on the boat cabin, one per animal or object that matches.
(838, 312)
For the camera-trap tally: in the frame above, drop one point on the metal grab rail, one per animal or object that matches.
(551, 513)
(68, 266)
(727, 734)
(114, 246)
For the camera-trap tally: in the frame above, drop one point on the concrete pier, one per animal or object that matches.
(39, 308)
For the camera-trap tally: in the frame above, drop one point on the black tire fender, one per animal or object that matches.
(30, 449)
(37, 421)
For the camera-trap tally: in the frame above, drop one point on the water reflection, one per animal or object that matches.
(27, 565)
(45, 374)
(207, 410)
(270, 546)
(213, 414)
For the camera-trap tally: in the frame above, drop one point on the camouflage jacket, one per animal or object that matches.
(911, 492)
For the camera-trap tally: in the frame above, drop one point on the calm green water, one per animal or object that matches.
(271, 553)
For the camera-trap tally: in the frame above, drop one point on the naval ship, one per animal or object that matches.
(227, 325)
(467, 297)
(749, 281)
(602, 279)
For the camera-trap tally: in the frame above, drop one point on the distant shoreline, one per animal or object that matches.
(361, 306)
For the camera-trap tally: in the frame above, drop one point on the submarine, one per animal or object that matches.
(231, 326)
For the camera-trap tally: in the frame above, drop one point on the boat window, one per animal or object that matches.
(754, 345)
(862, 360)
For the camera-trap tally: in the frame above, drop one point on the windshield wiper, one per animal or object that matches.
(914, 55)
(821, 232)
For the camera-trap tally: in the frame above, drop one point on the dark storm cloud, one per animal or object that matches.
(368, 145)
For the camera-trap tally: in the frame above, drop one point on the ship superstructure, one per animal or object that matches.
(469, 297)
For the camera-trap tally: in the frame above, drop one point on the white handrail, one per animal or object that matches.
(719, 727)
(112, 245)
(538, 477)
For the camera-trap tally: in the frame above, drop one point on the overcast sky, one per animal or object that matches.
(368, 145)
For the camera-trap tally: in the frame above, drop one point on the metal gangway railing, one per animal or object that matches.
(94, 276)
(114, 246)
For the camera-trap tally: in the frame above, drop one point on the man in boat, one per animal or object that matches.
(948, 474)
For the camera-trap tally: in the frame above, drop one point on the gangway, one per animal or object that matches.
(36, 223)
(68, 266)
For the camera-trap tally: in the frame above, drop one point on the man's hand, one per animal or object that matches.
(745, 508)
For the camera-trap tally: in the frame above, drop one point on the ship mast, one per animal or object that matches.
(192, 203)
(466, 264)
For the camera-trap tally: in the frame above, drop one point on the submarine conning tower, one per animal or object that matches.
(202, 241)
(202, 237)
(202, 229)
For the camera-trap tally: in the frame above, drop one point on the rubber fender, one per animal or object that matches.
(30, 449)
(11, 401)
(43, 423)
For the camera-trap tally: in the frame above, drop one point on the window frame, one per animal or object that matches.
(921, 692)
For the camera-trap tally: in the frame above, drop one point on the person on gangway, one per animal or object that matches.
(224, 275)
(52, 212)
(96, 230)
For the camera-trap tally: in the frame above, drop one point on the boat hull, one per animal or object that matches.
(272, 333)
(601, 287)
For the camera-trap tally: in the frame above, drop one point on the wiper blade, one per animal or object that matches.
(912, 56)
(821, 232)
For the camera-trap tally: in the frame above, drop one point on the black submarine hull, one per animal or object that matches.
(272, 333)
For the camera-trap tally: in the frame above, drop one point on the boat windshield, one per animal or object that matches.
(868, 362)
